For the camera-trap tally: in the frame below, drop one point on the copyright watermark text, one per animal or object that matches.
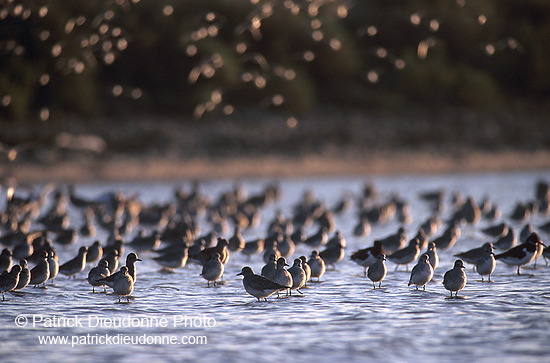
(100, 321)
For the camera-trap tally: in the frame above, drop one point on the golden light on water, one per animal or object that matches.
(342, 11)
(241, 48)
(228, 109)
(44, 114)
(167, 10)
(103, 29)
(44, 79)
(210, 16)
(335, 44)
(43, 11)
(434, 25)
(315, 24)
(77, 42)
(117, 90)
(372, 76)
(136, 93)
(381, 53)
(69, 26)
(109, 58)
(56, 50)
(122, 44)
(277, 100)
(372, 30)
(191, 50)
(481, 19)
(6, 100)
(108, 15)
(415, 19)
(424, 46)
(94, 39)
(247, 77)
(260, 82)
(309, 56)
(292, 122)
(399, 64)
(317, 35)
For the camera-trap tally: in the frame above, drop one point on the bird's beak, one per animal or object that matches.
(239, 274)
(286, 264)
(139, 259)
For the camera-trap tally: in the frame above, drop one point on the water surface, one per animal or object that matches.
(342, 318)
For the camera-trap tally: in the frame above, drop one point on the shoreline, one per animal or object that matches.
(122, 168)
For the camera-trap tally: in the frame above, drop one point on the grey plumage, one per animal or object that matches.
(306, 267)
(53, 265)
(377, 271)
(173, 259)
(406, 255)
(333, 254)
(6, 260)
(213, 269)
(269, 268)
(281, 275)
(422, 272)
(9, 280)
(317, 265)
(131, 260)
(24, 275)
(41, 272)
(298, 274)
(471, 256)
(507, 240)
(485, 264)
(97, 273)
(258, 286)
(455, 279)
(95, 252)
(123, 284)
(75, 265)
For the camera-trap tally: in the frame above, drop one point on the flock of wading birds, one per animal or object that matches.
(34, 220)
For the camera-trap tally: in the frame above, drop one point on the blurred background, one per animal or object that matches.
(197, 77)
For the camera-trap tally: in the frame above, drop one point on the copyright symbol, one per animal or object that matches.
(21, 321)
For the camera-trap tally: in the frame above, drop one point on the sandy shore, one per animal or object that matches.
(124, 168)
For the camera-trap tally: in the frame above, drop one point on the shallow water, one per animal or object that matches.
(342, 318)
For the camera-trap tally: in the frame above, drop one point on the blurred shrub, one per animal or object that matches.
(194, 57)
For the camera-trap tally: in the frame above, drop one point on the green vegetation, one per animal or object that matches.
(199, 57)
